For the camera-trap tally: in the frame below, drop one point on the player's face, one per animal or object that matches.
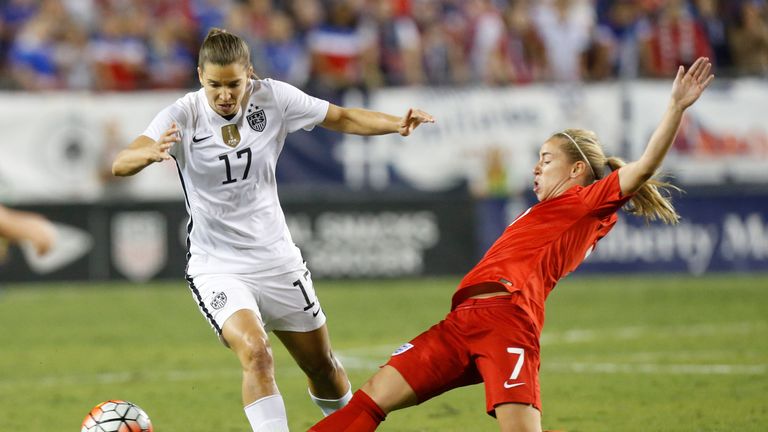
(224, 86)
(552, 173)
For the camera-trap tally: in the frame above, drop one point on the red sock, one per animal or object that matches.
(361, 414)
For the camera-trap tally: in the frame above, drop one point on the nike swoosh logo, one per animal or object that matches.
(314, 314)
(509, 386)
(196, 139)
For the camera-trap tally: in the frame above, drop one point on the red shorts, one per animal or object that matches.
(483, 340)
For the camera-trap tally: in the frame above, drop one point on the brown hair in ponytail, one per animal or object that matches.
(223, 48)
(652, 201)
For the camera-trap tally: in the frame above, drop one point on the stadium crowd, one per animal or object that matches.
(328, 45)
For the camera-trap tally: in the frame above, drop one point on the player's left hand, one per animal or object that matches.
(688, 86)
(412, 119)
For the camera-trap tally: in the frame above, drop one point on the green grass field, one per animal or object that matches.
(618, 354)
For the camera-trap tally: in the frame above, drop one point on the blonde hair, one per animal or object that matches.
(652, 201)
(222, 48)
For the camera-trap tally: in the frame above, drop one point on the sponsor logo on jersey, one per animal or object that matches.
(198, 139)
(219, 300)
(257, 120)
(403, 348)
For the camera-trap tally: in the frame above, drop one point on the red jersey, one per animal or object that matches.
(545, 243)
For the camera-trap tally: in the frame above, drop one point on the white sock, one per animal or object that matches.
(267, 414)
(328, 406)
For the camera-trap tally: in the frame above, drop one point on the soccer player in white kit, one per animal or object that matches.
(245, 273)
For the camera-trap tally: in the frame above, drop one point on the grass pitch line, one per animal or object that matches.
(117, 378)
(356, 362)
(370, 358)
(366, 363)
(637, 332)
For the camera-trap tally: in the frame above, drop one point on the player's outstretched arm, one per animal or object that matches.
(360, 121)
(18, 226)
(686, 89)
(144, 151)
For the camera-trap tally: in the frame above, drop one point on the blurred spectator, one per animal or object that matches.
(307, 14)
(15, 13)
(120, 58)
(485, 35)
(83, 13)
(32, 55)
(209, 13)
(258, 17)
(622, 26)
(676, 37)
(132, 44)
(171, 61)
(161, 10)
(712, 17)
(398, 44)
(524, 54)
(341, 52)
(489, 185)
(238, 22)
(442, 46)
(565, 27)
(285, 56)
(72, 59)
(749, 38)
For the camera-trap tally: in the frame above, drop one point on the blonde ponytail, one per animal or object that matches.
(652, 201)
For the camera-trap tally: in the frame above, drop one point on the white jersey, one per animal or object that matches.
(236, 224)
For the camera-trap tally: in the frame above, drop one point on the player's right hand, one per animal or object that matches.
(42, 234)
(159, 151)
(412, 119)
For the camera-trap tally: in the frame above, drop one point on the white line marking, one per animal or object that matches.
(635, 332)
(370, 358)
(119, 377)
(366, 364)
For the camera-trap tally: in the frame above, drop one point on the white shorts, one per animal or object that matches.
(283, 298)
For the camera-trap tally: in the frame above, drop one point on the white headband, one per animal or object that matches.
(581, 153)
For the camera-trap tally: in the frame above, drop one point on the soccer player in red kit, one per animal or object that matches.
(492, 332)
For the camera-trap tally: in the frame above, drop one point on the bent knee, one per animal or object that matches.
(321, 366)
(389, 390)
(516, 417)
(255, 353)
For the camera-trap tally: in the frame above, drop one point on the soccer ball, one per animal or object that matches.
(116, 416)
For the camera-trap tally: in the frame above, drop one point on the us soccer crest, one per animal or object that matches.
(257, 120)
(139, 244)
(219, 300)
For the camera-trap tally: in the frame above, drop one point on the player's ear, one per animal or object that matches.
(577, 168)
(200, 75)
